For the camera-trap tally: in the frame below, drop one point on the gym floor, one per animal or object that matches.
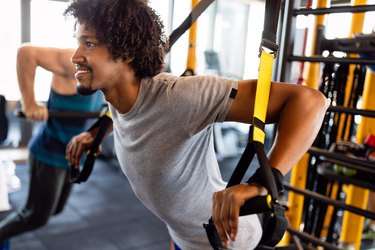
(102, 214)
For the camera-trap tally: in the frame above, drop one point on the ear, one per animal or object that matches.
(129, 60)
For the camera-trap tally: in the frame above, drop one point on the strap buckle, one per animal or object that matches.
(269, 46)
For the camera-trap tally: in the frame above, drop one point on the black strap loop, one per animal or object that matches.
(274, 226)
(103, 123)
(258, 178)
(186, 24)
(271, 19)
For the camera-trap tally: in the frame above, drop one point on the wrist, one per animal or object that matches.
(28, 103)
(259, 179)
(260, 189)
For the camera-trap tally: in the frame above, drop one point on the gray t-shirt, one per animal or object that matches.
(164, 145)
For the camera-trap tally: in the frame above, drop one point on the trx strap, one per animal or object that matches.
(188, 22)
(274, 220)
(198, 7)
(103, 123)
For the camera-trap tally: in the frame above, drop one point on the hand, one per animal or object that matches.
(76, 146)
(36, 112)
(226, 208)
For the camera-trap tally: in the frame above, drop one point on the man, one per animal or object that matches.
(163, 124)
(50, 186)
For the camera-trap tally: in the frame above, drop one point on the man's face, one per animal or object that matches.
(95, 67)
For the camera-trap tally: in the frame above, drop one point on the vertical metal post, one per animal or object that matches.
(25, 20)
(25, 127)
(287, 36)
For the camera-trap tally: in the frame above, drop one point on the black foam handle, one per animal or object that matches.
(103, 124)
(256, 205)
(63, 114)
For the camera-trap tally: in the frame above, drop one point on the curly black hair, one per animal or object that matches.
(129, 28)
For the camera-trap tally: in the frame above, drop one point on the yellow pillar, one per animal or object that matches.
(294, 213)
(313, 69)
(367, 125)
(191, 59)
(355, 28)
(299, 171)
(352, 224)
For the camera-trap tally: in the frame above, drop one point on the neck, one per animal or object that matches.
(123, 98)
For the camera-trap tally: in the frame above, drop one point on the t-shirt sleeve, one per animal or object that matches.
(199, 101)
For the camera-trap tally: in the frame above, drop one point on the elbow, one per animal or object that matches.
(24, 52)
(316, 103)
(23, 49)
(322, 103)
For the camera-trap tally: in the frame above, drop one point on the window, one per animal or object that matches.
(217, 26)
(48, 27)
(228, 37)
(9, 41)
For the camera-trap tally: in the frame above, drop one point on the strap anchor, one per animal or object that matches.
(269, 46)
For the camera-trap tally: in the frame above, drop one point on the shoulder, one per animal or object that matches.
(164, 78)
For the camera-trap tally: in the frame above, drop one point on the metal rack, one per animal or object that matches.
(287, 38)
(356, 44)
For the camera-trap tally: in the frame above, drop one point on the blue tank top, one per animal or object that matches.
(49, 142)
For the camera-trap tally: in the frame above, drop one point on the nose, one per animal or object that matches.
(77, 57)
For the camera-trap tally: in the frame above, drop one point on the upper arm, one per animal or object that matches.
(298, 97)
(241, 109)
(55, 60)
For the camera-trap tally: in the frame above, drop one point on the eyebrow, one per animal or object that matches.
(85, 37)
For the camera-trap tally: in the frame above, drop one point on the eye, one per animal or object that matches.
(89, 44)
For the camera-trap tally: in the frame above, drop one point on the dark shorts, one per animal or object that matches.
(176, 247)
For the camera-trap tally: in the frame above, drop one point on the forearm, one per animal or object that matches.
(298, 125)
(26, 66)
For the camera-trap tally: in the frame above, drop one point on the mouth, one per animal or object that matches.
(81, 73)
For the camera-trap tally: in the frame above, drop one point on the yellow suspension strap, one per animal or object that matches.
(274, 222)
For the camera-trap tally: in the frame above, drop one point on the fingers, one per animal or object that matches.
(76, 146)
(70, 153)
(225, 214)
(217, 217)
(234, 213)
(226, 210)
(38, 112)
